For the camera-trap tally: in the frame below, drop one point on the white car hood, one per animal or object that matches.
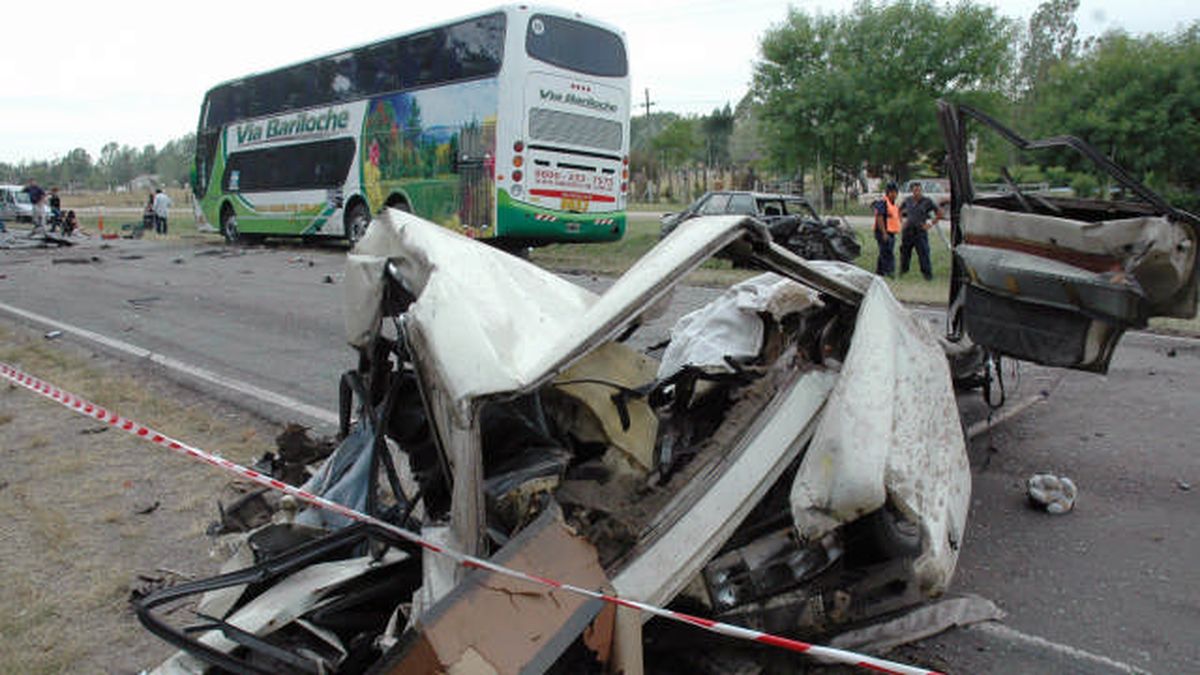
(523, 324)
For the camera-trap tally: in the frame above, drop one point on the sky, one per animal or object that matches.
(135, 72)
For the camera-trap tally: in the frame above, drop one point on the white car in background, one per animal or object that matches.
(15, 204)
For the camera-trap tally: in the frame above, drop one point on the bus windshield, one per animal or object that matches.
(576, 46)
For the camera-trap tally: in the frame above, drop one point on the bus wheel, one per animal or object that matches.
(229, 228)
(356, 222)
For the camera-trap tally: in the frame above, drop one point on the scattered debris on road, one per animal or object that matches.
(53, 335)
(143, 303)
(1053, 494)
(76, 261)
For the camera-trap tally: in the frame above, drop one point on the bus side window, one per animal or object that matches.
(344, 84)
(421, 59)
(476, 47)
(376, 70)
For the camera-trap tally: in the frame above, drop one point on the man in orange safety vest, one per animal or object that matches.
(887, 226)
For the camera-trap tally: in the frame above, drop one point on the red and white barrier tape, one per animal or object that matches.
(89, 409)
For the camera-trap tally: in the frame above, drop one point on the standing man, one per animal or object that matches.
(162, 204)
(915, 211)
(887, 226)
(37, 197)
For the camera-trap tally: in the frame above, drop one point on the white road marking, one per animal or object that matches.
(176, 365)
(1003, 632)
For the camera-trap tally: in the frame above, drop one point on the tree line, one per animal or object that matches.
(837, 97)
(116, 166)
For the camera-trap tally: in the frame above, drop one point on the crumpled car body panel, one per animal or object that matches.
(890, 434)
(493, 325)
(1057, 280)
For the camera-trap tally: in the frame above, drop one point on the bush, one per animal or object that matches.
(1084, 185)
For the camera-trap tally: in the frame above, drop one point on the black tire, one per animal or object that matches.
(357, 220)
(229, 228)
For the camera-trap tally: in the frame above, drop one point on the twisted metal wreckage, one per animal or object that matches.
(791, 461)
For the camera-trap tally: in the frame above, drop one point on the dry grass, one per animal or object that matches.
(69, 500)
(135, 199)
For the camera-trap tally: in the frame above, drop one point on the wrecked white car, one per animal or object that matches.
(791, 460)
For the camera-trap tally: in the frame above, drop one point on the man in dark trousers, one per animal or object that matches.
(916, 210)
(37, 197)
(887, 226)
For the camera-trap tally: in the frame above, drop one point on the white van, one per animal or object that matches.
(15, 204)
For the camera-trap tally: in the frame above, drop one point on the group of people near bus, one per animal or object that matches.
(48, 216)
(910, 220)
(47, 212)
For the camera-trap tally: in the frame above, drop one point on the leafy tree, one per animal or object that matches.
(75, 169)
(837, 89)
(644, 128)
(717, 129)
(1138, 100)
(678, 143)
(144, 162)
(1049, 39)
(173, 163)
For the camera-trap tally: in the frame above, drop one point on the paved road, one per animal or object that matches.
(1112, 587)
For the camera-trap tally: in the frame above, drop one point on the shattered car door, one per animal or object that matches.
(1058, 280)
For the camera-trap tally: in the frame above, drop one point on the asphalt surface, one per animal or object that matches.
(1112, 587)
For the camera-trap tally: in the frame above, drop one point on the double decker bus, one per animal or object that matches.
(511, 125)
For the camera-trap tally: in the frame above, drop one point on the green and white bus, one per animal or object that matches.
(511, 125)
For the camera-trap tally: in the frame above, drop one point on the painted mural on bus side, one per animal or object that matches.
(436, 149)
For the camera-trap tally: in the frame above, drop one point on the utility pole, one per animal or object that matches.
(648, 103)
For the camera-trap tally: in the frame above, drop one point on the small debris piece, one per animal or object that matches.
(1171, 353)
(145, 584)
(245, 513)
(1054, 494)
(148, 509)
(1183, 485)
(328, 279)
(177, 261)
(53, 335)
(296, 445)
(94, 430)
